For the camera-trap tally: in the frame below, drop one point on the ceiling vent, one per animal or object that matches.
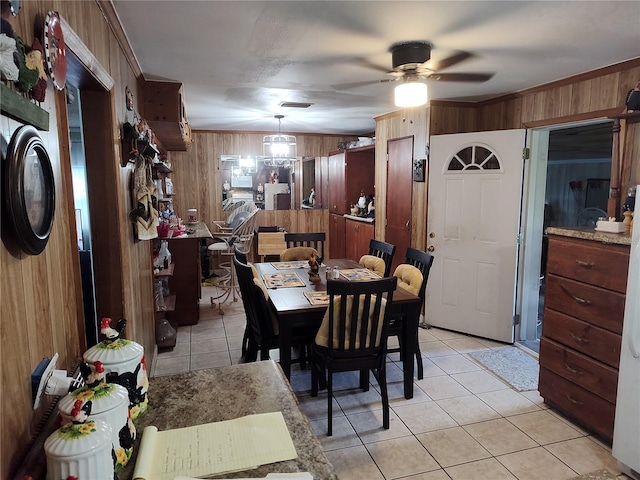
(295, 104)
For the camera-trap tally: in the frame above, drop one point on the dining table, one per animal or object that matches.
(291, 301)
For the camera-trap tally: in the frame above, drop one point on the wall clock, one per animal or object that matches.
(28, 190)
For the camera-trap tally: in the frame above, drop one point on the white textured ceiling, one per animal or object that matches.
(238, 60)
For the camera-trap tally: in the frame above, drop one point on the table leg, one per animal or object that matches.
(410, 336)
(285, 347)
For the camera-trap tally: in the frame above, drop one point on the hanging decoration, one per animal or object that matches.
(55, 51)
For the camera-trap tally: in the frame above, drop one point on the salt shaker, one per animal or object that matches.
(336, 273)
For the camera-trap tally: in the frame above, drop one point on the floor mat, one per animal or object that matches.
(514, 366)
(598, 475)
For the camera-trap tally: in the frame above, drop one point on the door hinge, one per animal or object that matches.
(525, 153)
(516, 319)
(519, 239)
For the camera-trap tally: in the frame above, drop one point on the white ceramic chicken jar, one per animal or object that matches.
(120, 361)
(109, 404)
(82, 450)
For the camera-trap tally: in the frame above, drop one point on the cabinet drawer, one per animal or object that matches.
(586, 408)
(595, 305)
(590, 262)
(593, 341)
(593, 376)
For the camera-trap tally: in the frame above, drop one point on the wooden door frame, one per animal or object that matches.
(97, 96)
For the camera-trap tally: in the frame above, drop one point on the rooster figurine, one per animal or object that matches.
(80, 411)
(95, 376)
(112, 334)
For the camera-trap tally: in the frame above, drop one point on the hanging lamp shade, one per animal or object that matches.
(279, 150)
(410, 94)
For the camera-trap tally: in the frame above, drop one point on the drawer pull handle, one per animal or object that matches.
(572, 370)
(581, 300)
(574, 401)
(584, 264)
(580, 340)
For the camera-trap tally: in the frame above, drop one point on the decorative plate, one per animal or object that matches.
(54, 49)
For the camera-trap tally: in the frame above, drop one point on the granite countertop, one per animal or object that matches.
(359, 219)
(588, 233)
(194, 230)
(225, 393)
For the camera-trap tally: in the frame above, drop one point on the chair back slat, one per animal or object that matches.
(384, 251)
(422, 261)
(315, 240)
(363, 328)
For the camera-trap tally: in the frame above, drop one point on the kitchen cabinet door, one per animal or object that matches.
(337, 225)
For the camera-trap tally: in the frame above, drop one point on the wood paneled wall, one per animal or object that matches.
(404, 123)
(197, 179)
(40, 296)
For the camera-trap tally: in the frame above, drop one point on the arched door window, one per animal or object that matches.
(475, 157)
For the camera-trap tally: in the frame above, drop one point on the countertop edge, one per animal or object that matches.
(588, 233)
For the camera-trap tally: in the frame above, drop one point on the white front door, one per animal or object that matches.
(475, 184)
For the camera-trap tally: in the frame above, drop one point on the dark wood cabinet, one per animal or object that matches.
(351, 172)
(337, 225)
(581, 334)
(357, 236)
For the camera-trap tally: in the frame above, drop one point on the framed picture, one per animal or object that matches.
(29, 190)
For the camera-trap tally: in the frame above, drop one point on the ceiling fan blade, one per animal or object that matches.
(347, 86)
(460, 77)
(436, 65)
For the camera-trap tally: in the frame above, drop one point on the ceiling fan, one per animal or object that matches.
(411, 62)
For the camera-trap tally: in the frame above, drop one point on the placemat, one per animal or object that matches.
(290, 265)
(359, 274)
(317, 298)
(282, 280)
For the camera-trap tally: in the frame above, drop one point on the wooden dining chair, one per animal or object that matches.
(245, 277)
(412, 276)
(298, 253)
(383, 250)
(315, 240)
(353, 337)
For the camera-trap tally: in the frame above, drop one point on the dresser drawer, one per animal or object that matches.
(586, 408)
(595, 305)
(593, 341)
(590, 262)
(591, 375)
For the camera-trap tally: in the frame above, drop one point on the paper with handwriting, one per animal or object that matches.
(214, 448)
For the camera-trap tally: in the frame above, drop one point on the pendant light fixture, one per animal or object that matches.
(410, 93)
(279, 150)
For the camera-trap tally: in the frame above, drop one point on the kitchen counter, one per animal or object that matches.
(225, 393)
(588, 233)
(359, 219)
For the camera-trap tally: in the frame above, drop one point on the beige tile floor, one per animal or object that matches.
(462, 423)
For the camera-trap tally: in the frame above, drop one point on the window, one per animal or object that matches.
(474, 157)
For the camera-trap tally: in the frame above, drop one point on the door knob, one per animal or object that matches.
(430, 248)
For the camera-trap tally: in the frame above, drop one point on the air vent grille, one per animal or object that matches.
(295, 104)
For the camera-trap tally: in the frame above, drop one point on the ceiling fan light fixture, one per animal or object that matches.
(279, 150)
(410, 94)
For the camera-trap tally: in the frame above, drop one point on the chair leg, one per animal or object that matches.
(314, 378)
(364, 380)
(419, 360)
(330, 402)
(382, 381)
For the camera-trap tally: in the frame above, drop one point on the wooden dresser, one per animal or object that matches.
(582, 327)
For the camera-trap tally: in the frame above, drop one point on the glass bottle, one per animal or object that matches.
(164, 256)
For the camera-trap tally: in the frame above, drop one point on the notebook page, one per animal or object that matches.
(214, 448)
